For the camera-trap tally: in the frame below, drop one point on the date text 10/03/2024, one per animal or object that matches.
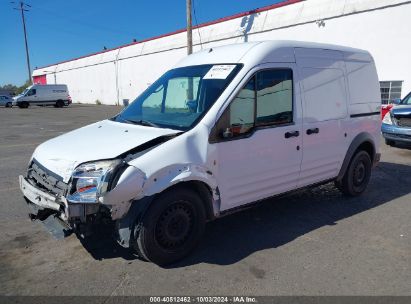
(182, 299)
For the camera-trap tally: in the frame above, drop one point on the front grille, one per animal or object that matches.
(404, 121)
(45, 179)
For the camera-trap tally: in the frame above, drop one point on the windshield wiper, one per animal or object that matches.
(141, 122)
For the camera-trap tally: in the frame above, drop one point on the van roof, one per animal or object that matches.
(260, 51)
(49, 85)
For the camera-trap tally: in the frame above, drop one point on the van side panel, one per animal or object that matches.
(324, 109)
(365, 100)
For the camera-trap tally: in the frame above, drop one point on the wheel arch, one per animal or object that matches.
(363, 141)
(203, 190)
(195, 177)
(126, 225)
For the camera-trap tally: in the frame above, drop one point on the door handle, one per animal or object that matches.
(291, 134)
(313, 131)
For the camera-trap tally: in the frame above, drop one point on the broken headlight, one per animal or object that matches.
(90, 180)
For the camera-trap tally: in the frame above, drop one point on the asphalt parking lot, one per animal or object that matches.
(315, 242)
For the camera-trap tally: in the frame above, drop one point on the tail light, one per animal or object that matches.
(69, 99)
(385, 109)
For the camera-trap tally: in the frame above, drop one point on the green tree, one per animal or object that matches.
(15, 89)
(23, 87)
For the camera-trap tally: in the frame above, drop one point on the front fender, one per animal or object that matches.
(156, 183)
(134, 185)
(129, 187)
(175, 174)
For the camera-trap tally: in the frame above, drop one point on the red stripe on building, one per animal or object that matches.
(255, 11)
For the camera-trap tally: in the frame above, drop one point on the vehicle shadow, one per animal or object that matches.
(278, 221)
(102, 245)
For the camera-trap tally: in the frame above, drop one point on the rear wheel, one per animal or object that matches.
(9, 105)
(59, 104)
(171, 227)
(357, 176)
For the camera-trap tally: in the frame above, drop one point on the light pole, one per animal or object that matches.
(189, 28)
(23, 8)
(189, 46)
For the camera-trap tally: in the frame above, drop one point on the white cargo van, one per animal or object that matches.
(43, 94)
(225, 128)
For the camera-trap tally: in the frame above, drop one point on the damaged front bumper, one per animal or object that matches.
(59, 216)
(50, 199)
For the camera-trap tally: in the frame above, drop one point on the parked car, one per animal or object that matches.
(385, 108)
(42, 95)
(223, 129)
(6, 101)
(396, 125)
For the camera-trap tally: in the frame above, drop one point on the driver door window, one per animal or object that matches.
(242, 110)
(274, 97)
(31, 92)
(266, 100)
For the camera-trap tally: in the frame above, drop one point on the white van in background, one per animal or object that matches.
(42, 95)
(262, 119)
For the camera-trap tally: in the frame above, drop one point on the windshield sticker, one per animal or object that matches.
(219, 72)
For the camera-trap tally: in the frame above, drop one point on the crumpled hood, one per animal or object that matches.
(102, 140)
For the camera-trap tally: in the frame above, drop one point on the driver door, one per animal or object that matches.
(31, 96)
(258, 138)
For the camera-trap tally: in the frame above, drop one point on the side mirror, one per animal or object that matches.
(396, 101)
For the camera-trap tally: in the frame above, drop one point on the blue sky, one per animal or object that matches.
(59, 29)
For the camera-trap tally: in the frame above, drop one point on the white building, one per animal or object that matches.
(379, 26)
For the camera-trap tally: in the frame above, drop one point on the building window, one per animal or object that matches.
(390, 90)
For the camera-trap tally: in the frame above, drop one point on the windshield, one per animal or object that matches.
(181, 97)
(25, 91)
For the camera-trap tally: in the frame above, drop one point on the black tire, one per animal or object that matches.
(59, 104)
(24, 105)
(357, 176)
(390, 142)
(9, 105)
(171, 227)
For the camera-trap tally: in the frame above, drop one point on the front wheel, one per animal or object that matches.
(357, 176)
(24, 105)
(171, 227)
(9, 105)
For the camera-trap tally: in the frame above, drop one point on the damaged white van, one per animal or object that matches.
(226, 127)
